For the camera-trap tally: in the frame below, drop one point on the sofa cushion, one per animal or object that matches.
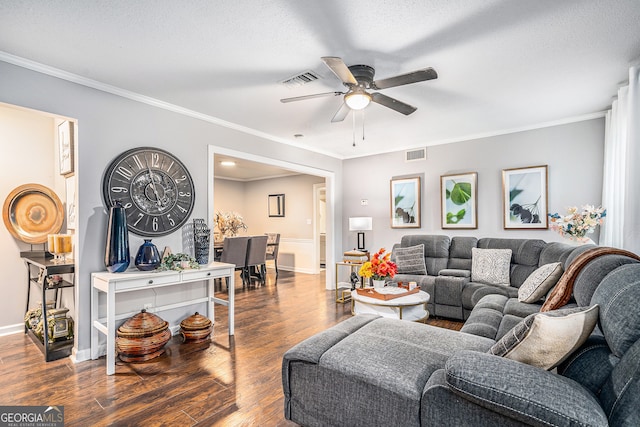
(436, 250)
(539, 282)
(620, 395)
(521, 392)
(580, 366)
(410, 260)
(619, 297)
(546, 339)
(490, 266)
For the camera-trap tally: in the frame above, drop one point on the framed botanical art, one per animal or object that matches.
(65, 147)
(459, 200)
(524, 194)
(405, 203)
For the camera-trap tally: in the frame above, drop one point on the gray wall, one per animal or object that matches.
(108, 125)
(573, 153)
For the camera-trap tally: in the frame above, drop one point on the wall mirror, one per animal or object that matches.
(276, 205)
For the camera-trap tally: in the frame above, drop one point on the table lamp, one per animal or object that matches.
(361, 224)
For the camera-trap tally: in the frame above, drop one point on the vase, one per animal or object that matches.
(201, 238)
(116, 256)
(148, 257)
(378, 283)
(579, 241)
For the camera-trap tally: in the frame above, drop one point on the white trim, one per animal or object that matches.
(74, 78)
(481, 135)
(11, 329)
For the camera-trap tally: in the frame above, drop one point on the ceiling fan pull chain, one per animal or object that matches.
(362, 125)
(354, 129)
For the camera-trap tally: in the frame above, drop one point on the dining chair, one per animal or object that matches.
(256, 257)
(234, 251)
(273, 244)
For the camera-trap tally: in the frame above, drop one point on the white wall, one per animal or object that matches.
(296, 228)
(573, 153)
(110, 124)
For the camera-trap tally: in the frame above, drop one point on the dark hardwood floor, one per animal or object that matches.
(230, 382)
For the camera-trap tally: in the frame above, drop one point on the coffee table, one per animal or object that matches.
(411, 307)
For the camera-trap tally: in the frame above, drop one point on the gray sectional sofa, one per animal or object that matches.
(374, 371)
(448, 264)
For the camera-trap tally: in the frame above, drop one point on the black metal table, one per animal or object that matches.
(39, 271)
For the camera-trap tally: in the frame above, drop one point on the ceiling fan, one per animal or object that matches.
(359, 79)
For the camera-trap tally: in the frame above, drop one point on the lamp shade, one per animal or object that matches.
(357, 100)
(360, 223)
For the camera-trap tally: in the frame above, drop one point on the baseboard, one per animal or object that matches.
(80, 356)
(11, 329)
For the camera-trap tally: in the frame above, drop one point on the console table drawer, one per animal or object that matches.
(125, 283)
(193, 275)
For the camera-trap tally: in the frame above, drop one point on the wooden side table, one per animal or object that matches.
(343, 289)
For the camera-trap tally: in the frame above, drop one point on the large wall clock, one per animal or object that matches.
(155, 188)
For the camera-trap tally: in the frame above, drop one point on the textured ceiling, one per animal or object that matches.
(503, 65)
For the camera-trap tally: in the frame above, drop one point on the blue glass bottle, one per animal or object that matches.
(148, 257)
(116, 257)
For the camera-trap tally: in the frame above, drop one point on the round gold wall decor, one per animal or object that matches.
(31, 212)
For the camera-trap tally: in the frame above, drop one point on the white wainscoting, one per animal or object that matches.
(297, 255)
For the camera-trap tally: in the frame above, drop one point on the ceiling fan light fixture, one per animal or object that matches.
(357, 100)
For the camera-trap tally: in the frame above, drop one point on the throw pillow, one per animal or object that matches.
(546, 339)
(490, 266)
(539, 282)
(410, 260)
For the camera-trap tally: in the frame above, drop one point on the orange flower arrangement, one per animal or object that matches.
(379, 268)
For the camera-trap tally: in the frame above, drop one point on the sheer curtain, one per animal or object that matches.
(621, 180)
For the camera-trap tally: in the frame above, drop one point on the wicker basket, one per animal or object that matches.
(196, 328)
(142, 337)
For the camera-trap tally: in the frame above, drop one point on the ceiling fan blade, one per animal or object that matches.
(317, 95)
(342, 112)
(340, 69)
(405, 79)
(392, 103)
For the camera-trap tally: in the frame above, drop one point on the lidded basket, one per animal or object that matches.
(142, 337)
(196, 328)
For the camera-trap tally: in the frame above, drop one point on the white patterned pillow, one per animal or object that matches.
(545, 339)
(410, 260)
(539, 282)
(490, 266)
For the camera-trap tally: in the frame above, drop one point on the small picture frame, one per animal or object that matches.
(459, 200)
(405, 202)
(276, 205)
(65, 147)
(524, 195)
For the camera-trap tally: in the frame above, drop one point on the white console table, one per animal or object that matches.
(134, 280)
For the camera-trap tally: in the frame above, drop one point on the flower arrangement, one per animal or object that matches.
(380, 267)
(178, 262)
(576, 224)
(229, 223)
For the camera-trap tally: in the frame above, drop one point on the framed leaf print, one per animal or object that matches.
(405, 203)
(459, 200)
(524, 195)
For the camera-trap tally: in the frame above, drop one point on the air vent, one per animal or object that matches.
(414, 155)
(300, 79)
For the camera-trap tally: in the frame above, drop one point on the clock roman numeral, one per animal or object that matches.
(138, 162)
(125, 172)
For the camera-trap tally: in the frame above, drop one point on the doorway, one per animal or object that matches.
(328, 208)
